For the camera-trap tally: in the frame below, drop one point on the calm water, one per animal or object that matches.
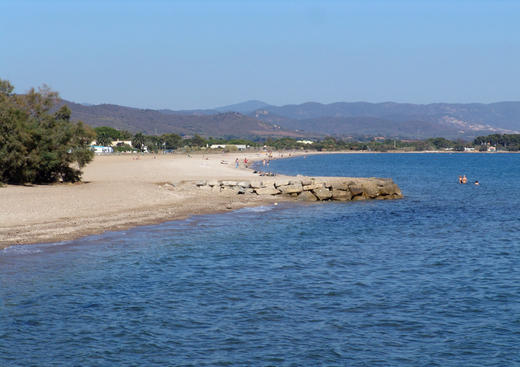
(430, 280)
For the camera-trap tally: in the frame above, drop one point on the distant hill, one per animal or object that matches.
(256, 118)
(396, 119)
(244, 107)
(230, 124)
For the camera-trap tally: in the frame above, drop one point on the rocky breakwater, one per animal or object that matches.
(309, 189)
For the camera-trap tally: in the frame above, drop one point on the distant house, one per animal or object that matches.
(466, 149)
(307, 142)
(98, 149)
(492, 149)
(224, 146)
(120, 143)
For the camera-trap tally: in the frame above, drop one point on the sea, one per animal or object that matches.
(429, 280)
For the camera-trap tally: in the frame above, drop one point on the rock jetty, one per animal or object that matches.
(310, 188)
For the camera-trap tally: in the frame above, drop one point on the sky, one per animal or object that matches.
(204, 54)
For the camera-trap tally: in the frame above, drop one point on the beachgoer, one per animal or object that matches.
(236, 163)
(464, 179)
(263, 162)
(460, 179)
(477, 183)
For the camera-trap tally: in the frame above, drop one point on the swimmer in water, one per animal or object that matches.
(477, 183)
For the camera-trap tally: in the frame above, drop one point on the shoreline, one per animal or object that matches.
(124, 191)
(121, 192)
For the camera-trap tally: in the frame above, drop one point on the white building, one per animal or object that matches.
(120, 143)
(98, 149)
(224, 146)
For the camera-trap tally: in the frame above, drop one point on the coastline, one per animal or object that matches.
(123, 191)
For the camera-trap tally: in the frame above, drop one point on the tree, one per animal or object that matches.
(153, 143)
(109, 132)
(196, 141)
(103, 139)
(138, 141)
(171, 141)
(37, 146)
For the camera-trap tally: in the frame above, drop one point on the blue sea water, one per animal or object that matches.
(429, 280)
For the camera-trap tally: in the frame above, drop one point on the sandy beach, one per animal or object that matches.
(120, 191)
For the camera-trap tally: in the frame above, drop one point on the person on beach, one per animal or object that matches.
(236, 163)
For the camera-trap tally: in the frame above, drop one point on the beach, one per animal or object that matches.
(122, 191)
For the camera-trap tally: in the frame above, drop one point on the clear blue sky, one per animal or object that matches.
(200, 54)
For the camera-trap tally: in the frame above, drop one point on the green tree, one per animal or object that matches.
(153, 143)
(103, 139)
(109, 132)
(196, 141)
(171, 141)
(37, 146)
(138, 142)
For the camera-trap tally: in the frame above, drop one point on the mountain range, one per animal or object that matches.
(311, 119)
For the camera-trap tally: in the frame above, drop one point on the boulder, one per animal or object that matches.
(387, 188)
(322, 193)
(307, 181)
(397, 195)
(312, 186)
(291, 189)
(356, 190)
(228, 183)
(371, 190)
(341, 195)
(307, 196)
(244, 184)
(213, 183)
(339, 186)
(267, 191)
(281, 183)
(201, 183)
